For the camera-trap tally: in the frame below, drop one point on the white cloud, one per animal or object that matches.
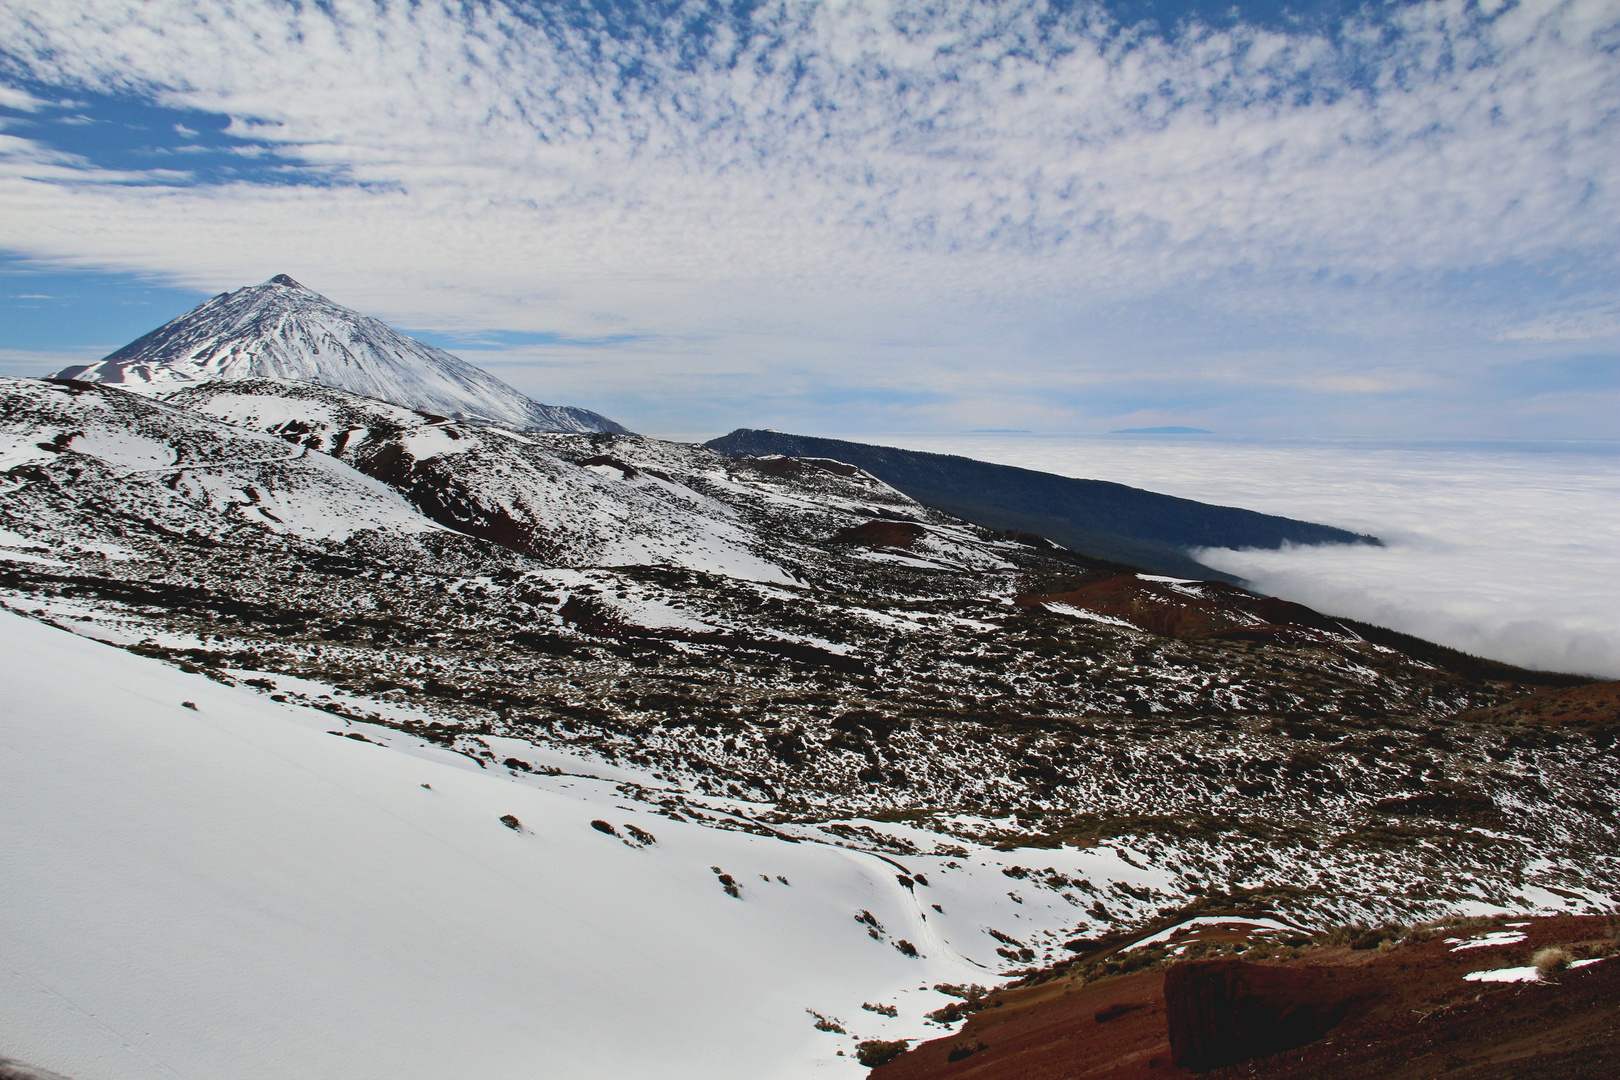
(850, 173)
(1502, 552)
(21, 100)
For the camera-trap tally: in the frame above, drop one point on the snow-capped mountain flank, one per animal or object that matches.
(282, 330)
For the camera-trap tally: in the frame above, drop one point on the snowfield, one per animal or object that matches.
(227, 892)
(231, 891)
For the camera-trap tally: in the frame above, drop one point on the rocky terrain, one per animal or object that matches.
(866, 744)
(793, 648)
(1235, 998)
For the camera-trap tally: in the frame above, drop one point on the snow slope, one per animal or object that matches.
(227, 892)
(230, 891)
(281, 330)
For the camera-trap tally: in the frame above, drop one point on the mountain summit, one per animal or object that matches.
(282, 330)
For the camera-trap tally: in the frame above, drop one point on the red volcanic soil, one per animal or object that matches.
(1402, 1014)
(1596, 704)
(883, 533)
(1194, 610)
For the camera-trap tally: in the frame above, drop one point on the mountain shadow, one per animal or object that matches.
(1095, 518)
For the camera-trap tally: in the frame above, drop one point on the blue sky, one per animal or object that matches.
(1316, 218)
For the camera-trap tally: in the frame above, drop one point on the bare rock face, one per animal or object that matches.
(1221, 1012)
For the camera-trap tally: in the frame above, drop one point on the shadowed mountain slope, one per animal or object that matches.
(1093, 517)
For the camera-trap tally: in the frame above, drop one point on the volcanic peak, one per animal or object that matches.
(283, 330)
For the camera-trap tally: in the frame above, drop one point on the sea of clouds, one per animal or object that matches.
(1502, 551)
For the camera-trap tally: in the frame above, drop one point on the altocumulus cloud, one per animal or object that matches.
(890, 196)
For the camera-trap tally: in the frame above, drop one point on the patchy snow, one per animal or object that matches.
(1213, 920)
(124, 450)
(1089, 616)
(431, 440)
(1500, 937)
(633, 513)
(26, 557)
(19, 448)
(1521, 974)
(156, 462)
(1505, 975)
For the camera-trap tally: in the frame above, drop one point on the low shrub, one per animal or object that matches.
(967, 992)
(826, 1023)
(875, 1052)
(1551, 960)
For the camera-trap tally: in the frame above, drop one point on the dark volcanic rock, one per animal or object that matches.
(1224, 1011)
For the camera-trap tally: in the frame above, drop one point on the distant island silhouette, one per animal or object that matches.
(1172, 430)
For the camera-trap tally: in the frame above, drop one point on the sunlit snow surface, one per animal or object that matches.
(233, 891)
(1505, 551)
(1502, 937)
(1518, 974)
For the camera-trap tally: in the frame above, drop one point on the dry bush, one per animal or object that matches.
(1337, 936)
(875, 1052)
(1550, 960)
(827, 1023)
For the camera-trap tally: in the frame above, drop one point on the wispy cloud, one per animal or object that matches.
(977, 176)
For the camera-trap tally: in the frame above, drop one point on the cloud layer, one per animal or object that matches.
(872, 196)
(1502, 552)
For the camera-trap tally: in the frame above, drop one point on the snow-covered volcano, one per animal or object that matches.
(281, 330)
